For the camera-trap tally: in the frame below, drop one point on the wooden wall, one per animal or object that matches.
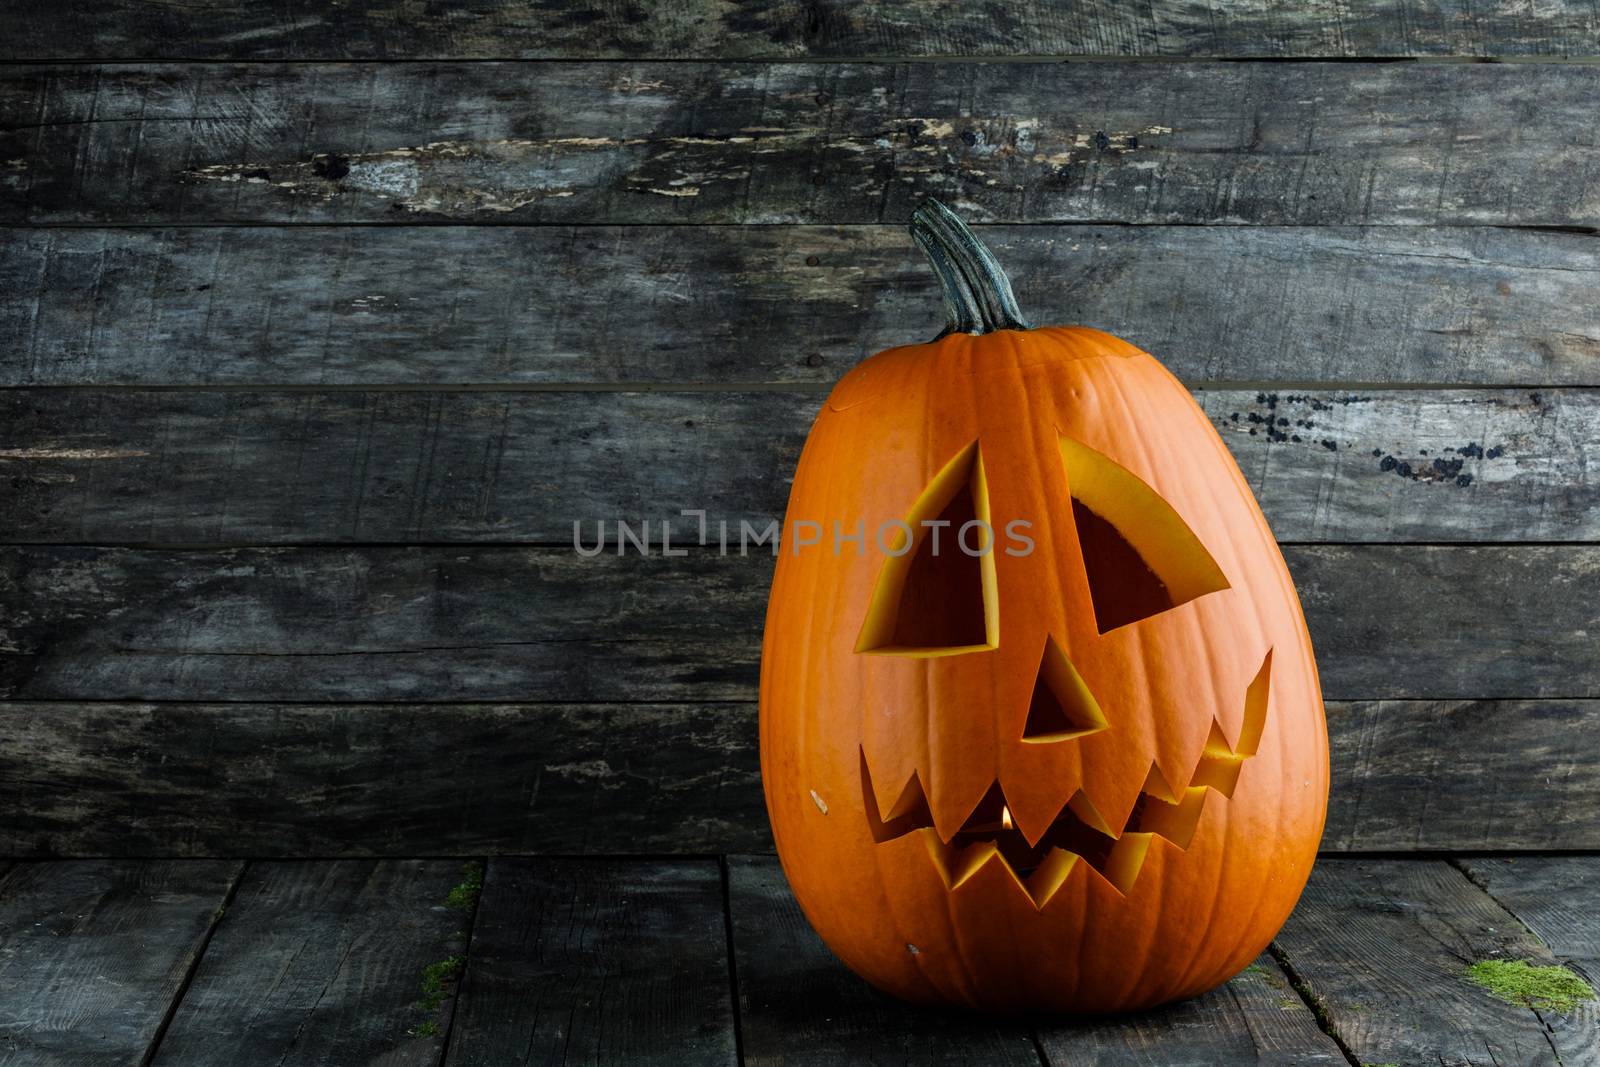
(318, 329)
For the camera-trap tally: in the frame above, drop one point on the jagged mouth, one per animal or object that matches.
(1079, 833)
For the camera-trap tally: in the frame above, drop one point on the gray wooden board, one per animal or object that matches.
(463, 779)
(1265, 143)
(597, 962)
(506, 29)
(93, 952)
(1558, 897)
(1452, 622)
(543, 624)
(269, 466)
(687, 304)
(1256, 1018)
(320, 963)
(392, 624)
(800, 1006)
(1383, 947)
(1463, 775)
(291, 780)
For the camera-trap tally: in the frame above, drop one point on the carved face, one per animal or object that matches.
(1086, 770)
(938, 597)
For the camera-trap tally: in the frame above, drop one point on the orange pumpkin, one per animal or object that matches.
(1084, 770)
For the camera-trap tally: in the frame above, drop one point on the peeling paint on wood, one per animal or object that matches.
(1279, 143)
(43, 452)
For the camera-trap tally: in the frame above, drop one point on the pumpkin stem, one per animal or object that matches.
(977, 292)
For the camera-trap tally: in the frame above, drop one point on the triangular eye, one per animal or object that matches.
(934, 597)
(1140, 557)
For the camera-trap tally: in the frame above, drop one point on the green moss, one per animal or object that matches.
(1514, 981)
(435, 976)
(427, 1029)
(465, 895)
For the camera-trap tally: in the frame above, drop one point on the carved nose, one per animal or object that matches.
(1062, 708)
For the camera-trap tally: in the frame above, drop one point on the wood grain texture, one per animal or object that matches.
(597, 962)
(1557, 897)
(1384, 945)
(1256, 1018)
(1277, 143)
(269, 466)
(532, 624)
(389, 624)
(1451, 622)
(93, 952)
(503, 29)
(800, 1007)
(320, 963)
(291, 780)
(685, 304)
(1420, 775)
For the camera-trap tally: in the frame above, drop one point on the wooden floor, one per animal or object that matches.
(708, 961)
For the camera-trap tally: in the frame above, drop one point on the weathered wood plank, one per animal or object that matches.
(1458, 775)
(597, 962)
(1256, 1018)
(1558, 897)
(1485, 622)
(388, 624)
(321, 963)
(93, 952)
(323, 306)
(505, 29)
(292, 780)
(212, 467)
(798, 1005)
(518, 624)
(1384, 946)
(1273, 143)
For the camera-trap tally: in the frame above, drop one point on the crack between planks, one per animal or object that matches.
(1313, 1002)
(466, 964)
(804, 388)
(1041, 222)
(217, 918)
(733, 962)
(816, 59)
(1545, 1028)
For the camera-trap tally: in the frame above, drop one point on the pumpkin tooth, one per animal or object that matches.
(969, 859)
(1081, 806)
(1174, 820)
(1126, 860)
(956, 864)
(1050, 876)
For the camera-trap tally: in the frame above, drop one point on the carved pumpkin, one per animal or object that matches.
(1085, 770)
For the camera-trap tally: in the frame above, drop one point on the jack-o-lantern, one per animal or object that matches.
(1040, 723)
